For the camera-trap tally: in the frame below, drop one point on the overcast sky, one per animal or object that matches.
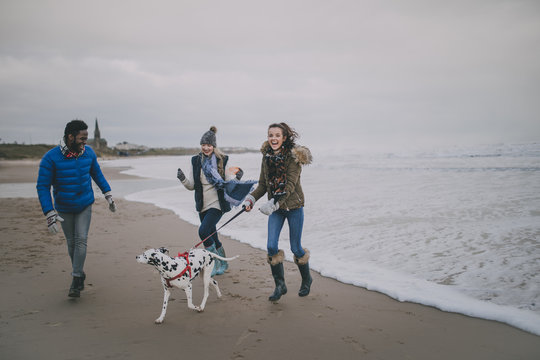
(366, 74)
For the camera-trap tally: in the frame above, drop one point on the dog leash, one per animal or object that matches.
(231, 219)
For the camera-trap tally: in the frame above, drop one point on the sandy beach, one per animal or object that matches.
(114, 317)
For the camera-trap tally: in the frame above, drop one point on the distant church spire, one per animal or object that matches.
(97, 134)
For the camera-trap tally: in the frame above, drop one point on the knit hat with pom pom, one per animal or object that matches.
(209, 137)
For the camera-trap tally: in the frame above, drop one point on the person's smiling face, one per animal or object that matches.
(207, 149)
(275, 138)
(77, 143)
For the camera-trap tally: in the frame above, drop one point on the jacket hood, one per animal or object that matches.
(301, 154)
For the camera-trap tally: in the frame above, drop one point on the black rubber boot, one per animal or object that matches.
(306, 280)
(74, 289)
(278, 273)
(279, 279)
(81, 283)
(303, 266)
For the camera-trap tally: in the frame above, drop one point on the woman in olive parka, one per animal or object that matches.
(280, 178)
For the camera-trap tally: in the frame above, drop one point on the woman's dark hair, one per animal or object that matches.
(73, 127)
(289, 133)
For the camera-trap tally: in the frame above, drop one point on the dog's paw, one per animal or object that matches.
(159, 321)
(199, 309)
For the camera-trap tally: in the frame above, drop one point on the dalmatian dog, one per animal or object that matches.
(180, 272)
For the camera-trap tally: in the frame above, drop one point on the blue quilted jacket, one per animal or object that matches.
(71, 179)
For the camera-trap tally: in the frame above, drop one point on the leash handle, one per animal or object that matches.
(231, 219)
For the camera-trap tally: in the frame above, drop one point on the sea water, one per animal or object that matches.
(457, 229)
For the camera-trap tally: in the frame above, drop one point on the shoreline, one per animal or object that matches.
(26, 171)
(114, 316)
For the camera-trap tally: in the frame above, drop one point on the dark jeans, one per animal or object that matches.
(209, 220)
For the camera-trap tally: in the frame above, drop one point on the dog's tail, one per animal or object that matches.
(223, 258)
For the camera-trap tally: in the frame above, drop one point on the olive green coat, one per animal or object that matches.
(294, 197)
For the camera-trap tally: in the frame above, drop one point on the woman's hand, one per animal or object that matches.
(248, 203)
(269, 207)
(180, 175)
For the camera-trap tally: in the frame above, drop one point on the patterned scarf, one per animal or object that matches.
(67, 152)
(209, 168)
(277, 172)
(235, 191)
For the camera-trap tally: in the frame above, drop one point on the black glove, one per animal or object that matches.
(180, 175)
(239, 174)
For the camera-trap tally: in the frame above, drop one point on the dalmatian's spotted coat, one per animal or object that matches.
(200, 261)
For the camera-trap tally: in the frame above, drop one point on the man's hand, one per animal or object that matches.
(52, 219)
(112, 205)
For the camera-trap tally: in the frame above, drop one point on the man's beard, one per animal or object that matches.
(74, 147)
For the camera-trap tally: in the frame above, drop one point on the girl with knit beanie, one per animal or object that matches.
(211, 201)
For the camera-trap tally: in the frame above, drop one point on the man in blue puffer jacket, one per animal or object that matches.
(69, 169)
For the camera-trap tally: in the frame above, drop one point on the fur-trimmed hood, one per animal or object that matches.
(301, 154)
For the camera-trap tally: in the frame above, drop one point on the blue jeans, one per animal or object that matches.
(75, 228)
(209, 220)
(295, 219)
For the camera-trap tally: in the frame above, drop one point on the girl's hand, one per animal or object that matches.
(180, 175)
(269, 207)
(248, 203)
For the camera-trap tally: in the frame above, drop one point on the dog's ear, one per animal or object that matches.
(163, 250)
(151, 259)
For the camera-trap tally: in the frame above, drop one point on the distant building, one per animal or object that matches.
(97, 133)
(127, 149)
(97, 143)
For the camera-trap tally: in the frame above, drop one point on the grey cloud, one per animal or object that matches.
(372, 73)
